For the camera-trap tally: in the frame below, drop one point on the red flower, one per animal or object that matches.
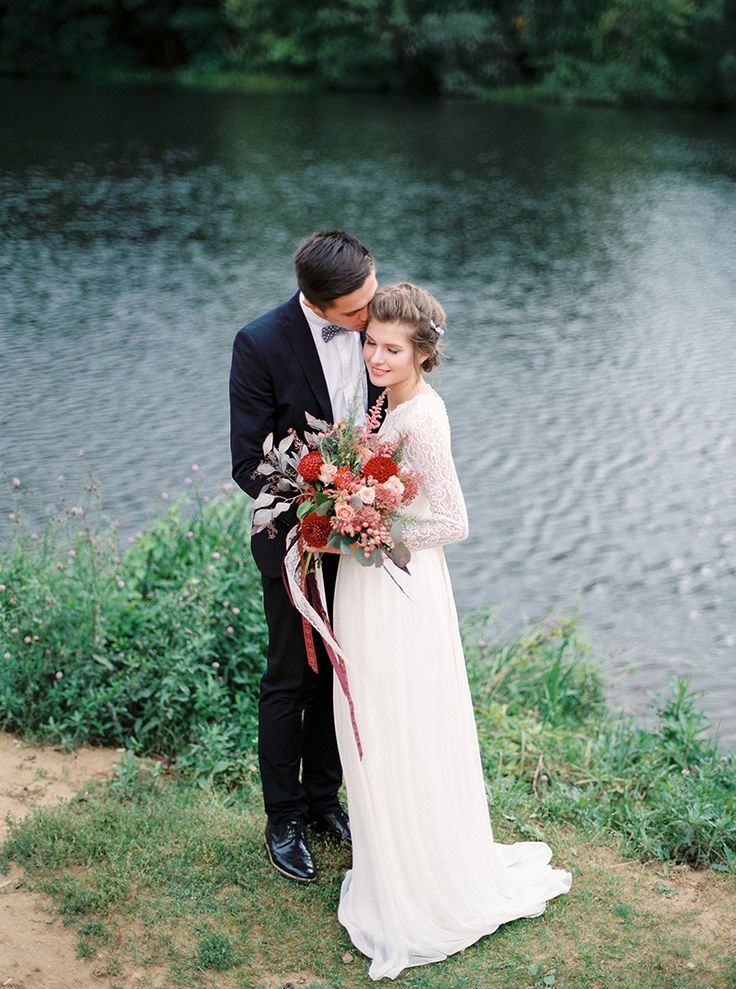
(316, 529)
(381, 468)
(344, 478)
(310, 465)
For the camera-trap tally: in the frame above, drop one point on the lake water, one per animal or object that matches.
(587, 261)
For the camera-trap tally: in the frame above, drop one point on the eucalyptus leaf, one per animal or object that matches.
(319, 424)
(304, 509)
(264, 500)
(285, 443)
(324, 508)
(265, 469)
(400, 555)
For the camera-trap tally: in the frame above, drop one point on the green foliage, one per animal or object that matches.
(610, 51)
(159, 648)
(668, 792)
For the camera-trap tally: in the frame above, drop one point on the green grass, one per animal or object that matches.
(170, 876)
(160, 648)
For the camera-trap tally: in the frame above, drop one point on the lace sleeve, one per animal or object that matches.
(427, 450)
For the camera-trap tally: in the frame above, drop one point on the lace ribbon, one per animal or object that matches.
(307, 594)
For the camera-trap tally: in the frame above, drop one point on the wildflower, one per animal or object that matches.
(187, 480)
(116, 559)
(77, 511)
(58, 674)
(686, 772)
(120, 582)
(215, 665)
(116, 522)
(35, 537)
(35, 638)
(16, 482)
(6, 655)
(228, 486)
(481, 642)
(190, 534)
(14, 631)
(164, 496)
(229, 630)
(195, 467)
(72, 553)
(2, 587)
(236, 611)
(215, 556)
(61, 478)
(225, 604)
(11, 516)
(211, 567)
(81, 453)
(206, 499)
(26, 639)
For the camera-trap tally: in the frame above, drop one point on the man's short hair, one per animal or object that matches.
(330, 264)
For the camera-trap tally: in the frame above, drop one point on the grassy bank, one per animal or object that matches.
(158, 648)
(169, 880)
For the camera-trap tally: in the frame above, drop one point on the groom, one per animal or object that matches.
(303, 356)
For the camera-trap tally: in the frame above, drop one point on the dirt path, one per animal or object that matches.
(36, 950)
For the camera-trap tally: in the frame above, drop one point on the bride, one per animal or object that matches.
(427, 879)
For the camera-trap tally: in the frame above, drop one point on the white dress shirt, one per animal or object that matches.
(343, 366)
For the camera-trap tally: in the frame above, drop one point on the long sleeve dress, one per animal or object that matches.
(427, 878)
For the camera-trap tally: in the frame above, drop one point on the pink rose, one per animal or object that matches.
(344, 511)
(367, 495)
(327, 473)
(394, 485)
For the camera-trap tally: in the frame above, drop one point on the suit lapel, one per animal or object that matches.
(301, 341)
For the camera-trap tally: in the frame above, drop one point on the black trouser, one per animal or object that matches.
(296, 724)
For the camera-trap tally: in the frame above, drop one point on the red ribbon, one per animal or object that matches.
(310, 590)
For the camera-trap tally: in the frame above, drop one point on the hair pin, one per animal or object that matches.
(437, 329)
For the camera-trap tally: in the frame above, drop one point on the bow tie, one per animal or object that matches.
(330, 331)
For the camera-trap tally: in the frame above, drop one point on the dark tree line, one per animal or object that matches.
(608, 50)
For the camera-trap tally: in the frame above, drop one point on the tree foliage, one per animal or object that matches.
(610, 50)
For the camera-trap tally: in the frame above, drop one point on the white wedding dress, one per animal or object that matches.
(427, 878)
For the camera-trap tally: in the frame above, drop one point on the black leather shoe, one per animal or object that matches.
(287, 850)
(333, 823)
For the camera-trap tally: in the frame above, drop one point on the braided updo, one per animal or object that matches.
(407, 303)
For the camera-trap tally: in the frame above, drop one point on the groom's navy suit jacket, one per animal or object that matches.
(275, 377)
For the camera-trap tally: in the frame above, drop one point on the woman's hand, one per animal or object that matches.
(321, 549)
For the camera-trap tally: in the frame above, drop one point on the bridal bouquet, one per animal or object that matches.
(348, 485)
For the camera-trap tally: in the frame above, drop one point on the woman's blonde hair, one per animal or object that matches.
(407, 303)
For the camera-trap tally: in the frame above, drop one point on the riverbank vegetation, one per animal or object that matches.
(159, 648)
(600, 51)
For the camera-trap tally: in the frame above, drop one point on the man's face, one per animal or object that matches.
(350, 311)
